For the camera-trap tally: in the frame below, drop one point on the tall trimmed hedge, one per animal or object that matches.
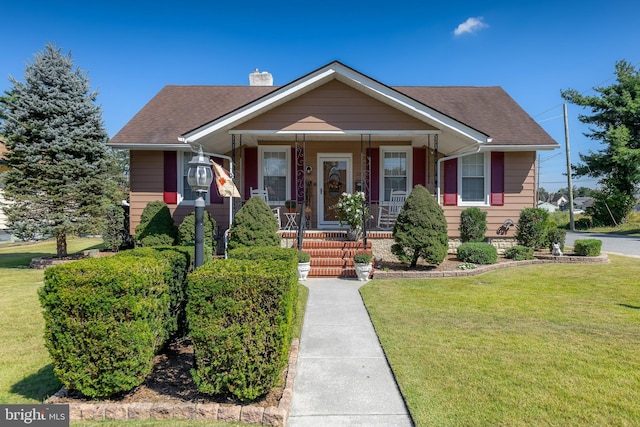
(156, 226)
(240, 315)
(106, 318)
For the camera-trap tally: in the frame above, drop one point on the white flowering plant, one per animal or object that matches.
(350, 209)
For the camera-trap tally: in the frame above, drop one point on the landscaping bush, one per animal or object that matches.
(556, 235)
(583, 223)
(254, 225)
(187, 230)
(113, 232)
(420, 230)
(303, 257)
(587, 247)
(473, 225)
(105, 320)
(477, 253)
(240, 315)
(179, 259)
(273, 253)
(532, 228)
(156, 226)
(519, 253)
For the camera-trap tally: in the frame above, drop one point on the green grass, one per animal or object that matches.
(26, 373)
(552, 344)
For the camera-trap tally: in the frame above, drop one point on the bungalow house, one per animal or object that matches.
(335, 130)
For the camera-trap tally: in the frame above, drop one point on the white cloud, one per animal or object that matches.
(470, 26)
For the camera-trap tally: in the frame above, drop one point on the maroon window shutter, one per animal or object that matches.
(374, 183)
(250, 170)
(419, 167)
(451, 182)
(497, 178)
(170, 195)
(214, 196)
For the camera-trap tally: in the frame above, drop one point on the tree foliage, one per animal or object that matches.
(61, 174)
(420, 230)
(615, 123)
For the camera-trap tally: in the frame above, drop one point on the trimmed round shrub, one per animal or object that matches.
(583, 223)
(532, 228)
(478, 253)
(254, 225)
(420, 230)
(556, 235)
(473, 225)
(587, 247)
(519, 253)
(187, 229)
(156, 226)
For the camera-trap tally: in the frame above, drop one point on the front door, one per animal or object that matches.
(334, 178)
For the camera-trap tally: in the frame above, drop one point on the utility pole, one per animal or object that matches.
(566, 140)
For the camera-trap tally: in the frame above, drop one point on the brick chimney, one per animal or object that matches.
(258, 78)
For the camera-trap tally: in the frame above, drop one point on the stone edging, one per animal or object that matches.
(269, 416)
(540, 259)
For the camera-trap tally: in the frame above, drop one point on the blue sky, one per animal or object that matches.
(532, 49)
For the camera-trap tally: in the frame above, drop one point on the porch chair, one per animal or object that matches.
(257, 192)
(389, 210)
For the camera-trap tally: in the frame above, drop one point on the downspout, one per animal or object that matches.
(457, 156)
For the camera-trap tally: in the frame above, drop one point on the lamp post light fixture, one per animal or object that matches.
(199, 177)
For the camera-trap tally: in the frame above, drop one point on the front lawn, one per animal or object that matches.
(552, 344)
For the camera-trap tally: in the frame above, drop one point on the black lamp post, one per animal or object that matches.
(199, 177)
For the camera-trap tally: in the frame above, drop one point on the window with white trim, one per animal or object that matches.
(473, 179)
(275, 173)
(186, 195)
(395, 170)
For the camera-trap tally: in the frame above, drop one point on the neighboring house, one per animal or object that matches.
(582, 203)
(335, 130)
(559, 200)
(549, 207)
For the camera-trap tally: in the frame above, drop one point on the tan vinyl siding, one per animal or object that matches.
(334, 106)
(147, 181)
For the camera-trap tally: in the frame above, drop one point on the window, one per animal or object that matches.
(187, 194)
(472, 179)
(275, 173)
(395, 170)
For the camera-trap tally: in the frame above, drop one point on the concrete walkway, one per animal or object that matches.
(343, 378)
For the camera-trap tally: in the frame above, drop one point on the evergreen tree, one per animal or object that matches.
(254, 225)
(61, 173)
(420, 230)
(616, 124)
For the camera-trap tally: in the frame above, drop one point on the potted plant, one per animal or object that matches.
(291, 205)
(362, 261)
(351, 210)
(304, 265)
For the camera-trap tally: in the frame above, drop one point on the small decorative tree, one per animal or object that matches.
(254, 225)
(532, 228)
(187, 229)
(156, 226)
(113, 232)
(473, 225)
(420, 230)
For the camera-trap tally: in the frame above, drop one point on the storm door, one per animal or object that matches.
(334, 178)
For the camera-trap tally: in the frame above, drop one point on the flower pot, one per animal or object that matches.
(353, 234)
(363, 271)
(303, 270)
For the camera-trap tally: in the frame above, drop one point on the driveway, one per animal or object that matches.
(611, 243)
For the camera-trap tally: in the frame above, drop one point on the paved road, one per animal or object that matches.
(615, 244)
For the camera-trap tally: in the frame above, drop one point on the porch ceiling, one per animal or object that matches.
(448, 144)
